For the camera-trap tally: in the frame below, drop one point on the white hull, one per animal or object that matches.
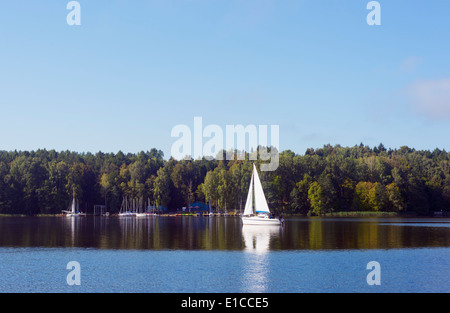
(260, 220)
(127, 214)
(75, 214)
(141, 214)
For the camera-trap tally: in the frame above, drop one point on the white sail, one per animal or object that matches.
(249, 204)
(260, 200)
(73, 209)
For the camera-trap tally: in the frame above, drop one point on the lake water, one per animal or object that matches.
(217, 254)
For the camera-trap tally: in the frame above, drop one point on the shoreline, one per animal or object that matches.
(343, 214)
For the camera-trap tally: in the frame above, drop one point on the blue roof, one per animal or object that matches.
(199, 206)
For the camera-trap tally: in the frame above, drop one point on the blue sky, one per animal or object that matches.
(135, 69)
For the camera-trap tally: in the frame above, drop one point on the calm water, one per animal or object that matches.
(203, 254)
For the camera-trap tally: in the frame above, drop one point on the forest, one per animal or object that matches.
(324, 180)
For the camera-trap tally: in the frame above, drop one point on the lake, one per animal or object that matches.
(189, 254)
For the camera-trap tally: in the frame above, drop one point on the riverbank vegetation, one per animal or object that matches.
(330, 179)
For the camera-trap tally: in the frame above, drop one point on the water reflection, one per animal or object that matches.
(256, 263)
(257, 238)
(222, 233)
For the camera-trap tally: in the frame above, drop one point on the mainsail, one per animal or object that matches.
(260, 200)
(74, 206)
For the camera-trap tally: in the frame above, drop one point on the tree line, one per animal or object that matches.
(323, 180)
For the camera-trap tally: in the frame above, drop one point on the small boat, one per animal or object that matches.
(124, 211)
(261, 215)
(127, 213)
(73, 209)
(141, 212)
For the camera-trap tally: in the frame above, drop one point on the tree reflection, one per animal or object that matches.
(221, 233)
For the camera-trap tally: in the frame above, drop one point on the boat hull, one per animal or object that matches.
(126, 214)
(257, 220)
(75, 214)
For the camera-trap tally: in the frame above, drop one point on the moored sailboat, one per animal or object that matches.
(124, 210)
(141, 211)
(73, 209)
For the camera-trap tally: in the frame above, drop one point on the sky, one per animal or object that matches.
(133, 70)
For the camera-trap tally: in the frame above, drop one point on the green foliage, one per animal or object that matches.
(316, 198)
(299, 196)
(162, 187)
(324, 180)
(395, 202)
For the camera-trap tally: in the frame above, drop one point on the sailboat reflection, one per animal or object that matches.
(257, 238)
(255, 268)
(71, 236)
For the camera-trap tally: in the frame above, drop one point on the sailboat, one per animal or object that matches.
(140, 208)
(261, 215)
(124, 208)
(73, 209)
